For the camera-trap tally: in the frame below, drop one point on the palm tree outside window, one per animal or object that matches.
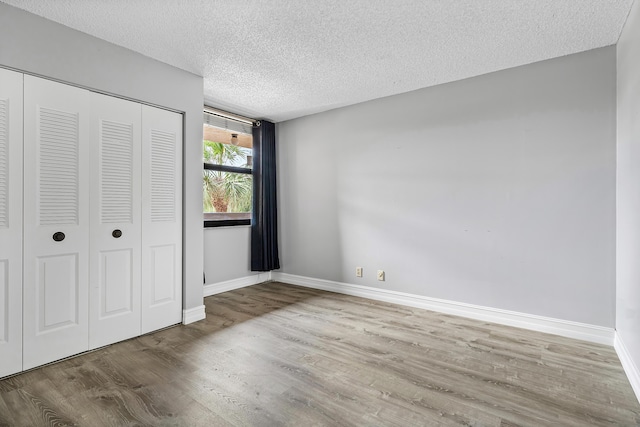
(227, 181)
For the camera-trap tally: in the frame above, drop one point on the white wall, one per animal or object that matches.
(35, 45)
(497, 190)
(227, 253)
(628, 197)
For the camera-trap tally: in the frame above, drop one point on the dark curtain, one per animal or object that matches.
(264, 217)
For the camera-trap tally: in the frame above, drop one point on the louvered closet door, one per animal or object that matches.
(161, 218)
(56, 221)
(10, 222)
(114, 313)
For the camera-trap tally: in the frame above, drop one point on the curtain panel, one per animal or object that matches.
(264, 218)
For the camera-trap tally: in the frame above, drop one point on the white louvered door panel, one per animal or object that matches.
(10, 222)
(161, 218)
(56, 205)
(114, 313)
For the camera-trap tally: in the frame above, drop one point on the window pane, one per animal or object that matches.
(227, 147)
(226, 194)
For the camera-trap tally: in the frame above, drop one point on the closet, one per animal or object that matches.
(91, 241)
(10, 222)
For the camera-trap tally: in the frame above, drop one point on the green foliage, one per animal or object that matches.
(224, 191)
(219, 153)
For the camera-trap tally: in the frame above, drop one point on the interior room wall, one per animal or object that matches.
(497, 190)
(227, 252)
(35, 45)
(628, 196)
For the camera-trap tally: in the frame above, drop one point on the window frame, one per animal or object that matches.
(224, 115)
(228, 222)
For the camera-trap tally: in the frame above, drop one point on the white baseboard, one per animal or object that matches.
(565, 328)
(229, 285)
(193, 315)
(629, 366)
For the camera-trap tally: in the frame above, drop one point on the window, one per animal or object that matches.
(227, 180)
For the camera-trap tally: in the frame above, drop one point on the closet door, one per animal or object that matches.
(10, 222)
(161, 218)
(56, 221)
(114, 311)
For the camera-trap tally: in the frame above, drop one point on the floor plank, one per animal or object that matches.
(282, 355)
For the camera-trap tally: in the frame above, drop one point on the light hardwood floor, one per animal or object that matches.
(275, 354)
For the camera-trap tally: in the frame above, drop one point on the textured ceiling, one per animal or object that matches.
(281, 59)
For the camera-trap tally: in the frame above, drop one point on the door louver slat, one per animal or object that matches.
(163, 176)
(57, 167)
(4, 164)
(116, 154)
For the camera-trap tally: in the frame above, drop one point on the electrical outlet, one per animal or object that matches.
(381, 275)
(358, 271)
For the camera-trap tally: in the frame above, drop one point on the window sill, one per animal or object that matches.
(226, 219)
(226, 223)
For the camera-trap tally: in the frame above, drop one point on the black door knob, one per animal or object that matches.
(58, 236)
(116, 233)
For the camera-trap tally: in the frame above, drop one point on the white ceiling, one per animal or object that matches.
(281, 59)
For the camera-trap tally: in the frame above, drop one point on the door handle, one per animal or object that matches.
(116, 233)
(58, 236)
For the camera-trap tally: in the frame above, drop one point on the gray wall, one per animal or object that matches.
(35, 45)
(497, 190)
(628, 198)
(227, 253)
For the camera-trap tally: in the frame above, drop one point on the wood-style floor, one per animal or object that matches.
(275, 354)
